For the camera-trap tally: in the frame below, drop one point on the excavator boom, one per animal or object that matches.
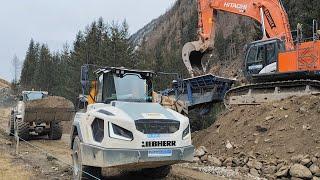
(269, 13)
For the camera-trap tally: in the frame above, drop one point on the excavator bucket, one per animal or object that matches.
(192, 54)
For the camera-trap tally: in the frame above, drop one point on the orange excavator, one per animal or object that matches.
(276, 66)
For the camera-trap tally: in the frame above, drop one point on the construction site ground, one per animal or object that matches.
(274, 130)
(248, 142)
(274, 140)
(33, 163)
(41, 158)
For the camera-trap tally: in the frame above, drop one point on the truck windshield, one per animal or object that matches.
(130, 87)
(33, 96)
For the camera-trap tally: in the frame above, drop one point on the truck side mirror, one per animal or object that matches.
(20, 98)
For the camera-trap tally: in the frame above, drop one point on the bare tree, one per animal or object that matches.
(16, 68)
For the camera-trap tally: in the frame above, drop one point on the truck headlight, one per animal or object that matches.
(118, 132)
(186, 132)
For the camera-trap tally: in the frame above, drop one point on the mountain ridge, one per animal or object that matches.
(161, 40)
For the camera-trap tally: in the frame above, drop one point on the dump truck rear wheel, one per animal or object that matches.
(160, 172)
(11, 126)
(23, 129)
(80, 171)
(55, 132)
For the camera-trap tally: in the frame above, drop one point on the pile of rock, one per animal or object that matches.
(6, 98)
(299, 167)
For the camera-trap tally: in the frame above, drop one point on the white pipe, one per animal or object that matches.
(263, 24)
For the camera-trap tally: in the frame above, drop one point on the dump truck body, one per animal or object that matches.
(122, 128)
(154, 135)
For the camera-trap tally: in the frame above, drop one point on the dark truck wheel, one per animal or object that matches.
(80, 171)
(55, 132)
(160, 172)
(23, 129)
(11, 125)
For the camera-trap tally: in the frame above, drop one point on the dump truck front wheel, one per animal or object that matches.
(23, 129)
(81, 171)
(55, 132)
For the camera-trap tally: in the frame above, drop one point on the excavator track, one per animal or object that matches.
(255, 94)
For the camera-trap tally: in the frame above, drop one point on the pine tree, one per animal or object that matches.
(59, 73)
(29, 66)
(43, 74)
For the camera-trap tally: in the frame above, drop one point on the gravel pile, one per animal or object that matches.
(6, 98)
(274, 130)
(250, 165)
(273, 140)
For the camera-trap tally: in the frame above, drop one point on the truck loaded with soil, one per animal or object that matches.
(40, 114)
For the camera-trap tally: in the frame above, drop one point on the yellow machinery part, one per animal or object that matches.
(93, 93)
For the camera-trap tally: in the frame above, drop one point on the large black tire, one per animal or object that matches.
(23, 129)
(11, 125)
(160, 172)
(55, 132)
(80, 171)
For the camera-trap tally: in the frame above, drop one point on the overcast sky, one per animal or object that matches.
(56, 22)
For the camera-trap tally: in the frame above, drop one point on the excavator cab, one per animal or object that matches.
(262, 56)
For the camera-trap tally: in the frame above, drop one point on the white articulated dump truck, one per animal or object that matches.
(122, 128)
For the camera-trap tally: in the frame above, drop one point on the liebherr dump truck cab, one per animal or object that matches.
(122, 128)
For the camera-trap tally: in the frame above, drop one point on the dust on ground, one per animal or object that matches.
(11, 169)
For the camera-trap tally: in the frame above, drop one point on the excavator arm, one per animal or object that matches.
(269, 13)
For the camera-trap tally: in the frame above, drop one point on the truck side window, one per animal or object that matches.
(100, 84)
(109, 90)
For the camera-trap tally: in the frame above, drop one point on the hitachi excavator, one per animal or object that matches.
(276, 66)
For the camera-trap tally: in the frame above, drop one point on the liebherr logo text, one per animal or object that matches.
(158, 143)
(241, 7)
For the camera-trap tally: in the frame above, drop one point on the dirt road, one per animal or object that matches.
(34, 163)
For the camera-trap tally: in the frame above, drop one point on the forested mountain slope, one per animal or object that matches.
(162, 40)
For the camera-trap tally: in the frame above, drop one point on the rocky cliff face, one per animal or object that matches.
(6, 97)
(178, 22)
(4, 83)
(138, 37)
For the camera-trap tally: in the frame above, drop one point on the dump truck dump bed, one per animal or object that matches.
(52, 108)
